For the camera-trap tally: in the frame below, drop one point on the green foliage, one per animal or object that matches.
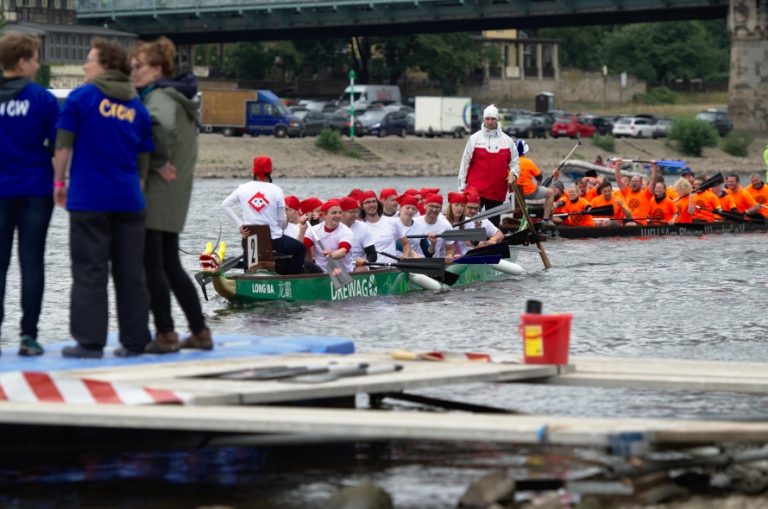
(255, 61)
(657, 95)
(656, 52)
(692, 135)
(43, 76)
(607, 142)
(736, 143)
(448, 58)
(329, 140)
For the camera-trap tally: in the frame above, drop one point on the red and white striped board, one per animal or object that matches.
(39, 387)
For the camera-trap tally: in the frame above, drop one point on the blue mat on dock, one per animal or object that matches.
(227, 346)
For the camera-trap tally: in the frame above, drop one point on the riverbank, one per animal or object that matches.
(222, 157)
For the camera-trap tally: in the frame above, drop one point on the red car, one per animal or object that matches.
(573, 127)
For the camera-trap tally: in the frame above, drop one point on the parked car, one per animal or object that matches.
(661, 128)
(410, 123)
(527, 126)
(382, 123)
(573, 127)
(312, 122)
(604, 125)
(339, 121)
(547, 119)
(718, 118)
(633, 127)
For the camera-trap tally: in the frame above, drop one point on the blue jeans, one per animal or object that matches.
(30, 216)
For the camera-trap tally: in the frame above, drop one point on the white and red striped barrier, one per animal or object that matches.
(39, 387)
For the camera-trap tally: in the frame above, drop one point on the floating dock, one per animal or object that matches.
(227, 391)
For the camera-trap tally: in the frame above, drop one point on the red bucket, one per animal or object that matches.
(546, 338)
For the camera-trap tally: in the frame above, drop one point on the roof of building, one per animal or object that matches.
(44, 28)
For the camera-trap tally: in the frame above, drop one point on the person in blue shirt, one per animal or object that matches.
(28, 115)
(108, 133)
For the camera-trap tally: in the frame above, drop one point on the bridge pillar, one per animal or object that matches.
(748, 84)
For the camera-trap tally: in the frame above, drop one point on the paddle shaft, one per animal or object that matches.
(524, 209)
(340, 279)
(495, 211)
(549, 179)
(471, 234)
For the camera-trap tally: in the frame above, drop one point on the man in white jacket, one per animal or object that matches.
(488, 160)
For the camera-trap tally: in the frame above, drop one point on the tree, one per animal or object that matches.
(448, 58)
(43, 76)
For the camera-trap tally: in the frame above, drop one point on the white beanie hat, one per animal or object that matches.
(491, 111)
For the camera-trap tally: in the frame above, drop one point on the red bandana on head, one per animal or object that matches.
(258, 201)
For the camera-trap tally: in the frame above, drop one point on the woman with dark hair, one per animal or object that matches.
(168, 189)
(28, 115)
(107, 131)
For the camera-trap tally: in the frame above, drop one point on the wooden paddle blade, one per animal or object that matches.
(449, 278)
(478, 260)
(714, 180)
(517, 238)
(500, 249)
(504, 208)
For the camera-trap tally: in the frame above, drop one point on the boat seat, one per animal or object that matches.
(268, 258)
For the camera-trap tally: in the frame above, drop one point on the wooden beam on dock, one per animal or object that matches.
(375, 425)
(666, 374)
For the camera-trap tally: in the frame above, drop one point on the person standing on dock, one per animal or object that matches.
(263, 203)
(107, 131)
(28, 115)
(168, 189)
(489, 163)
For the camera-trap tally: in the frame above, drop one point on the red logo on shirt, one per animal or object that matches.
(258, 201)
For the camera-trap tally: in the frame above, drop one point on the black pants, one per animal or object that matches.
(97, 239)
(165, 273)
(285, 245)
(487, 204)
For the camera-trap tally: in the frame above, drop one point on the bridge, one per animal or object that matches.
(205, 21)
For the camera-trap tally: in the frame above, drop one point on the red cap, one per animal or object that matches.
(356, 194)
(412, 192)
(434, 198)
(386, 193)
(310, 204)
(472, 197)
(333, 202)
(408, 200)
(262, 165)
(292, 202)
(457, 198)
(367, 195)
(349, 203)
(429, 190)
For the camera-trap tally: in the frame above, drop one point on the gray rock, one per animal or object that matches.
(491, 488)
(365, 495)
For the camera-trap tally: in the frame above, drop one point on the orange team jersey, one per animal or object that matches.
(705, 201)
(726, 202)
(637, 202)
(682, 209)
(618, 212)
(742, 199)
(560, 209)
(661, 212)
(528, 170)
(591, 194)
(579, 219)
(672, 193)
(760, 196)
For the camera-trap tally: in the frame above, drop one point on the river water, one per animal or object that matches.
(687, 298)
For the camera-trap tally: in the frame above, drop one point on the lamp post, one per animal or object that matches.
(352, 76)
(605, 85)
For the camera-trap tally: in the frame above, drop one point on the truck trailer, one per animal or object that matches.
(437, 116)
(234, 112)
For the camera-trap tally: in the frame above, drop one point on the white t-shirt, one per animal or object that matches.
(385, 233)
(361, 238)
(331, 240)
(291, 230)
(416, 228)
(490, 231)
(261, 203)
(440, 226)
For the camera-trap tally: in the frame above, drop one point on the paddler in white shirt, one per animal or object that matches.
(434, 223)
(335, 237)
(362, 249)
(471, 209)
(386, 231)
(263, 203)
(293, 214)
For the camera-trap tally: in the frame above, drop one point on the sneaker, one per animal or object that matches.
(164, 342)
(79, 352)
(200, 341)
(29, 347)
(122, 351)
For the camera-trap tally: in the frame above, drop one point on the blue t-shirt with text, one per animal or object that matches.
(27, 135)
(104, 174)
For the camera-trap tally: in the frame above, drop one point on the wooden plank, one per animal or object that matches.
(665, 374)
(372, 425)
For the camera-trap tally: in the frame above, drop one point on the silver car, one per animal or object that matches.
(634, 127)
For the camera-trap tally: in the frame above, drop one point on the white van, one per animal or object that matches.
(365, 95)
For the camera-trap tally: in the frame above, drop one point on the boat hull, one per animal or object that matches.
(262, 287)
(678, 230)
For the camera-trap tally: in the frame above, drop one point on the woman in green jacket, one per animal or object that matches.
(168, 188)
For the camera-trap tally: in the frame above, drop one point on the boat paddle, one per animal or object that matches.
(469, 234)
(735, 217)
(524, 209)
(339, 277)
(603, 210)
(203, 279)
(432, 267)
(478, 260)
(548, 181)
(504, 208)
(712, 181)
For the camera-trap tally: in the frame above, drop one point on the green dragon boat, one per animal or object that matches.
(268, 286)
